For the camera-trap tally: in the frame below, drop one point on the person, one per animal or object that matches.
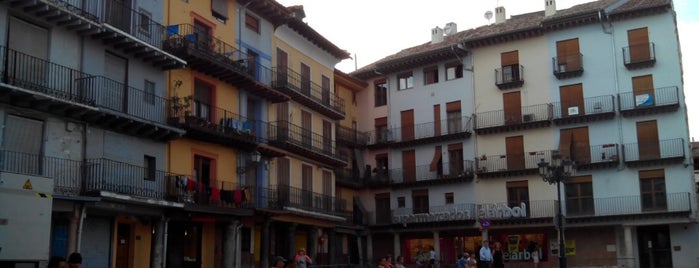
(57, 262)
(471, 261)
(485, 255)
(389, 261)
(498, 261)
(279, 262)
(400, 262)
(302, 260)
(382, 263)
(433, 257)
(75, 260)
(461, 262)
(533, 249)
(420, 262)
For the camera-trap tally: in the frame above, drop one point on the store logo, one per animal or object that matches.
(451, 215)
(502, 211)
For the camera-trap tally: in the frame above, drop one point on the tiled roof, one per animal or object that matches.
(518, 26)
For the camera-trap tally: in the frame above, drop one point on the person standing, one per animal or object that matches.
(279, 262)
(486, 256)
(400, 262)
(433, 257)
(75, 260)
(461, 262)
(302, 260)
(57, 262)
(498, 261)
(471, 261)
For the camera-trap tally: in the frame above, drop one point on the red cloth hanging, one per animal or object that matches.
(238, 197)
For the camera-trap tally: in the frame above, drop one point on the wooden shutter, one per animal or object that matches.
(513, 108)
(648, 144)
(306, 128)
(580, 145)
(639, 47)
(651, 174)
(454, 106)
(220, 7)
(643, 85)
(568, 53)
(509, 58)
(306, 79)
(515, 152)
(407, 125)
(380, 122)
(572, 96)
(435, 159)
(409, 166)
(283, 172)
(564, 145)
(437, 121)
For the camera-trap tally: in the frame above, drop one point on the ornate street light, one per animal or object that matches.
(255, 156)
(554, 173)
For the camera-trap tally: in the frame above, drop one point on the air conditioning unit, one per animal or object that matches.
(562, 68)
(573, 110)
(528, 117)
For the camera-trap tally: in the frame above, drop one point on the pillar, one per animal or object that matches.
(72, 245)
(333, 240)
(361, 260)
(312, 238)
(157, 244)
(396, 246)
(435, 238)
(229, 242)
(292, 240)
(264, 244)
(369, 249)
(628, 246)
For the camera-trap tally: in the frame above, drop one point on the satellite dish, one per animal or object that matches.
(488, 15)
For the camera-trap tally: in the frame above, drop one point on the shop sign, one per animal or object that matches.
(502, 211)
(451, 215)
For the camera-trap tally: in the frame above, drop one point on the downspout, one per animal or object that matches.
(80, 227)
(610, 31)
(164, 263)
(237, 257)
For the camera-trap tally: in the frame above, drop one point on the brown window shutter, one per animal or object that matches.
(568, 52)
(380, 122)
(651, 174)
(435, 159)
(647, 136)
(420, 192)
(509, 58)
(409, 166)
(437, 121)
(572, 96)
(643, 85)
(564, 146)
(220, 7)
(455, 147)
(580, 179)
(382, 196)
(512, 184)
(454, 106)
(639, 47)
(407, 125)
(580, 145)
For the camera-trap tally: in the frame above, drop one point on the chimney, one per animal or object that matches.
(450, 29)
(550, 7)
(437, 35)
(500, 15)
(297, 12)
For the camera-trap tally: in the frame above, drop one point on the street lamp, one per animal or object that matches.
(556, 172)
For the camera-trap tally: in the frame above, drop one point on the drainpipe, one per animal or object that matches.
(80, 227)
(164, 263)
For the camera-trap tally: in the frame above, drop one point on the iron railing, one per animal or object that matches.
(213, 192)
(349, 135)
(87, 9)
(421, 131)
(188, 110)
(119, 97)
(639, 53)
(66, 173)
(123, 178)
(282, 196)
(595, 154)
(284, 131)
(449, 212)
(568, 64)
(663, 96)
(625, 205)
(527, 114)
(512, 162)
(588, 106)
(664, 149)
(288, 78)
(531, 209)
(428, 172)
(509, 76)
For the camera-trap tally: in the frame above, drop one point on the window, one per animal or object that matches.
(252, 23)
(454, 117)
(509, 61)
(306, 79)
(203, 36)
(149, 92)
(653, 189)
(454, 70)
(144, 22)
(383, 208)
(517, 193)
(421, 201)
(325, 90)
(448, 198)
(149, 167)
(381, 170)
(307, 185)
(456, 159)
(569, 57)
(639, 46)
(202, 100)
(405, 81)
(401, 201)
(579, 197)
(575, 145)
(382, 132)
(219, 9)
(24, 135)
(431, 75)
(380, 93)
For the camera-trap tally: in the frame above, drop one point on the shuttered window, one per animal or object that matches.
(639, 47)
(219, 8)
(517, 193)
(653, 193)
(421, 201)
(454, 117)
(409, 165)
(436, 159)
(431, 75)
(644, 94)
(648, 144)
(407, 125)
(572, 100)
(437, 120)
(252, 23)
(568, 52)
(579, 196)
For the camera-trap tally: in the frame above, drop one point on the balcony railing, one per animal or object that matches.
(530, 209)
(209, 122)
(121, 98)
(526, 115)
(653, 99)
(214, 193)
(447, 170)
(663, 150)
(628, 205)
(599, 105)
(303, 140)
(184, 35)
(286, 78)
(456, 128)
(450, 212)
(605, 154)
(568, 66)
(282, 197)
(350, 136)
(508, 77)
(65, 173)
(348, 176)
(512, 162)
(123, 178)
(638, 56)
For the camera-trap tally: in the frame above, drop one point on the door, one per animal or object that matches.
(283, 174)
(203, 35)
(383, 208)
(513, 108)
(643, 92)
(307, 185)
(282, 120)
(572, 100)
(407, 128)
(29, 43)
(654, 246)
(648, 144)
(203, 94)
(509, 61)
(282, 65)
(409, 166)
(96, 242)
(113, 90)
(307, 136)
(639, 47)
(581, 145)
(437, 121)
(327, 137)
(515, 152)
(327, 190)
(326, 90)
(119, 14)
(306, 79)
(123, 245)
(252, 63)
(568, 53)
(202, 173)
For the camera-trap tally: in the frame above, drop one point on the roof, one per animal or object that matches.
(349, 81)
(316, 38)
(517, 27)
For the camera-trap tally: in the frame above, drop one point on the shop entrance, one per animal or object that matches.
(654, 246)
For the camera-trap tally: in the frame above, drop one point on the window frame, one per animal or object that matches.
(458, 72)
(252, 23)
(405, 80)
(149, 91)
(380, 93)
(449, 198)
(579, 199)
(430, 72)
(421, 201)
(149, 167)
(653, 177)
(401, 201)
(148, 17)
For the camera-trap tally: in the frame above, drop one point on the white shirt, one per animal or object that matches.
(433, 255)
(485, 254)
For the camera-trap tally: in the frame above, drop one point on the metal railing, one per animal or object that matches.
(281, 196)
(595, 154)
(531, 209)
(286, 77)
(119, 97)
(509, 75)
(213, 192)
(664, 149)
(625, 205)
(527, 114)
(420, 131)
(512, 162)
(350, 135)
(66, 173)
(639, 53)
(425, 172)
(86, 9)
(123, 178)
(449, 212)
(188, 110)
(589, 106)
(663, 96)
(567, 64)
(284, 131)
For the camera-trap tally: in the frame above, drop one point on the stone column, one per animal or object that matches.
(312, 238)
(396, 245)
(292, 240)
(333, 239)
(435, 238)
(264, 244)
(72, 245)
(361, 260)
(628, 246)
(157, 244)
(229, 249)
(369, 249)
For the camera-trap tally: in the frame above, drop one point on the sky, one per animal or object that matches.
(373, 29)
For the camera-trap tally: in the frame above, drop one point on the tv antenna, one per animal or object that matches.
(488, 15)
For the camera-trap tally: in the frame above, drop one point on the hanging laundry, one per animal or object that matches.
(238, 197)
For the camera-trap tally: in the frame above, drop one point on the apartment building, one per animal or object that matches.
(591, 83)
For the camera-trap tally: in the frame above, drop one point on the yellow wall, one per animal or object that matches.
(182, 158)
(295, 166)
(140, 241)
(225, 95)
(301, 241)
(178, 12)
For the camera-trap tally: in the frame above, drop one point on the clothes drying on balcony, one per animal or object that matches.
(227, 196)
(236, 124)
(215, 194)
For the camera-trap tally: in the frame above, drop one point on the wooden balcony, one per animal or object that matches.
(221, 60)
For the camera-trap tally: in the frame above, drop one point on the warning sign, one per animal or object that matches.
(27, 185)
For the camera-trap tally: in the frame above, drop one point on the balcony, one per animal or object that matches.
(645, 154)
(425, 133)
(350, 137)
(590, 110)
(427, 175)
(38, 84)
(653, 101)
(110, 178)
(65, 173)
(582, 209)
(508, 165)
(287, 136)
(346, 177)
(211, 124)
(213, 196)
(639, 56)
(527, 117)
(221, 60)
(509, 77)
(436, 214)
(596, 156)
(308, 93)
(287, 198)
(126, 29)
(568, 66)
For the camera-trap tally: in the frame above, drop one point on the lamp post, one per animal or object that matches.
(554, 173)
